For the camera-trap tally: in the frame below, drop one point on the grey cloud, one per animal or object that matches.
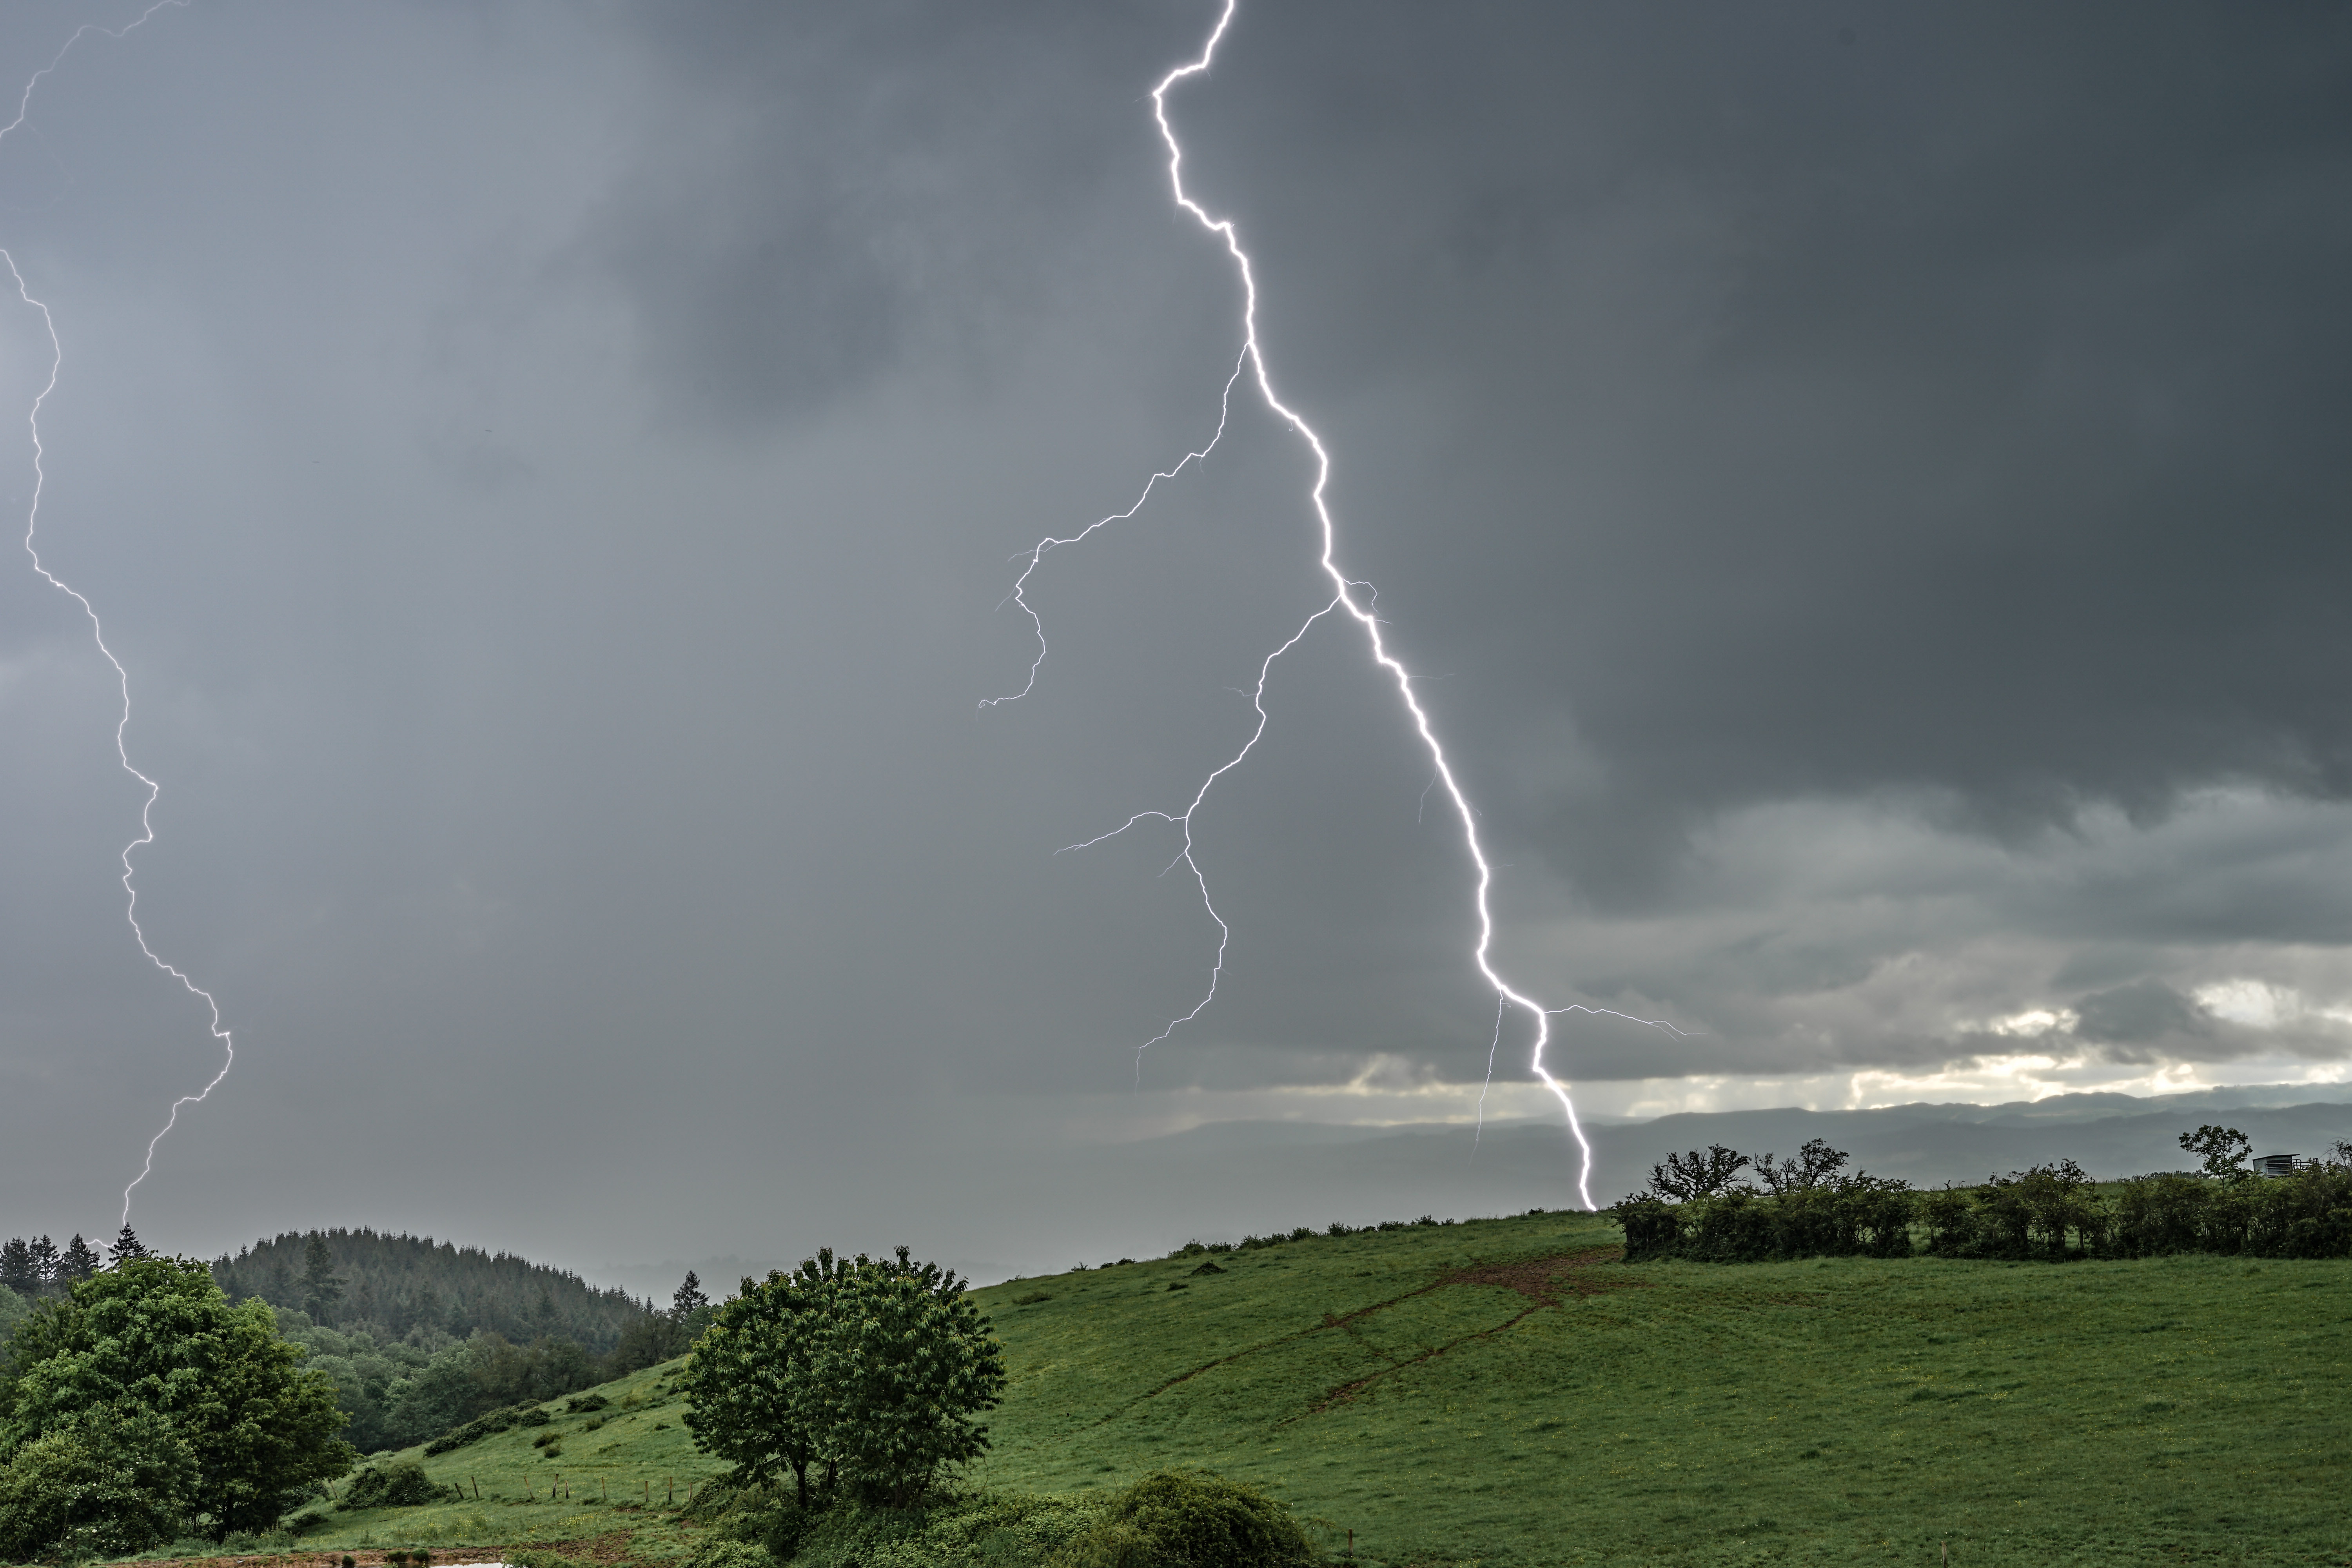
(1845, 415)
(2137, 1015)
(1868, 515)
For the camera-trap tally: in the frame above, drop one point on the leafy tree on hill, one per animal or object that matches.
(1816, 1165)
(1685, 1177)
(650, 1337)
(112, 1479)
(2224, 1151)
(157, 1337)
(858, 1373)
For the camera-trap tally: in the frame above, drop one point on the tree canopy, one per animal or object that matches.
(846, 1372)
(149, 1356)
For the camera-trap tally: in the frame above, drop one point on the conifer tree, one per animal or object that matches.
(16, 1271)
(688, 1298)
(77, 1261)
(45, 1260)
(321, 1288)
(127, 1248)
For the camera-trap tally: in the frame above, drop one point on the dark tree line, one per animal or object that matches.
(1698, 1205)
(403, 1388)
(39, 1266)
(395, 1285)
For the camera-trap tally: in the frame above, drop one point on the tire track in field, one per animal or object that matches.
(1533, 1278)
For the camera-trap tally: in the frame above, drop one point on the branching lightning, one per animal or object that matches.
(1345, 600)
(98, 630)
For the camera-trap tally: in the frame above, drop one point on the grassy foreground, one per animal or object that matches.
(1503, 1392)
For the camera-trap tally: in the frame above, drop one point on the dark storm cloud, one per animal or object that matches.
(829, 193)
(1864, 490)
(1832, 399)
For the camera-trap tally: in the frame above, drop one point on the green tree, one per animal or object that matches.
(690, 1310)
(17, 1271)
(45, 1260)
(912, 1363)
(2224, 1151)
(77, 1261)
(321, 1288)
(111, 1480)
(1685, 1178)
(127, 1248)
(754, 1393)
(649, 1338)
(864, 1374)
(157, 1335)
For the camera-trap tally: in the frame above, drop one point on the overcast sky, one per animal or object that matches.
(1864, 491)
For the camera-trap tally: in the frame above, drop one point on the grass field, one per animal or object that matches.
(1837, 1411)
(1501, 1392)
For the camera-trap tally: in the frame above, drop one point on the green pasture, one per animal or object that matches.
(1823, 1411)
(1854, 1410)
(597, 1475)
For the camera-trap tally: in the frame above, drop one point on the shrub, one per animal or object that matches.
(1190, 1519)
(580, 1404)
(484, 1424)
(112, 1480)
(401, 1484)
(976, 1529)
(731, 1554)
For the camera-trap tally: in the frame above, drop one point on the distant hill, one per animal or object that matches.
(397, 1283)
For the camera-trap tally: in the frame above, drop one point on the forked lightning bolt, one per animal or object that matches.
(1344, 600)
(98, 631)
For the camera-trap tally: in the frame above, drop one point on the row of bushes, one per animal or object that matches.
(1692, 1210)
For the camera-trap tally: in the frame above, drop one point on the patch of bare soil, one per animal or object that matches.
(1540, 1280)
(610, 1548)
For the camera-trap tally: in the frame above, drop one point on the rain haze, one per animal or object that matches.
(1863, 492)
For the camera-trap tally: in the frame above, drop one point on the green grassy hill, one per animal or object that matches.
(1503, 1392)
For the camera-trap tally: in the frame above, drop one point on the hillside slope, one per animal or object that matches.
(1502, 1391)
(1494, 1390)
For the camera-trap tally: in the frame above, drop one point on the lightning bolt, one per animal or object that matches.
(1344, 601)
(98, 629)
